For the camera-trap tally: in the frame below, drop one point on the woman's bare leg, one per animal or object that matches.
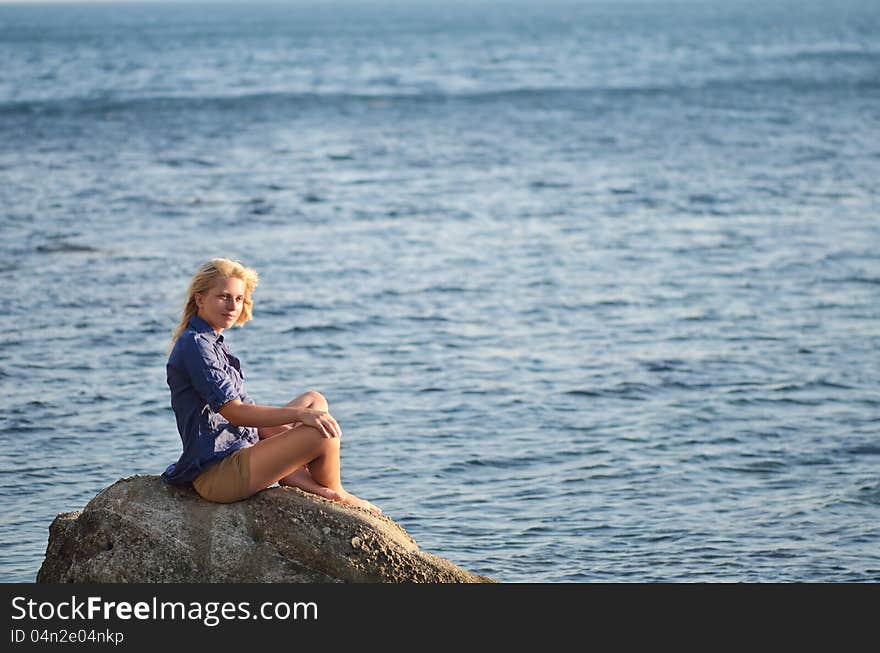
(303, 458)
(301, 477)
(310, 399)
(275, 458)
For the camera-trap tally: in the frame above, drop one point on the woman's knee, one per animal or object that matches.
(319, 444)
(331, 445)
(315, 399)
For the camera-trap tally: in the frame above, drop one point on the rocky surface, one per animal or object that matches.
(142, 530)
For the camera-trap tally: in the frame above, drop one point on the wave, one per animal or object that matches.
(277, 100)
(822, 52)
(65, 247)
(864, 449)
(624, 390)
(317, 328)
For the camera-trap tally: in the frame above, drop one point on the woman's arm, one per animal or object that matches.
(271, 431)
(241, 414)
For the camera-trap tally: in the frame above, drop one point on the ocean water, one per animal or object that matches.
(593, 288)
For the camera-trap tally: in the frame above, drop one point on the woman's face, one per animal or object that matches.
(222, 304)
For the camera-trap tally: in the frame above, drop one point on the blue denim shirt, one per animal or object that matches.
(203, 375)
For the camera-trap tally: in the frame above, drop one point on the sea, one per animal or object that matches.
(592, 287)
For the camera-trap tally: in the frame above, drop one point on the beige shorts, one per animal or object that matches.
(227, 480)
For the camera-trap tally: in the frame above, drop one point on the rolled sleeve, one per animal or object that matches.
(207, 374)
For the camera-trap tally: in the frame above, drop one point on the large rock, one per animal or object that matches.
(142, 530)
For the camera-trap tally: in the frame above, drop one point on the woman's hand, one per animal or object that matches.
(321, 420)
(271, 421)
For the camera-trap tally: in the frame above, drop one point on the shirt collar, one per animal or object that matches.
(198, 325)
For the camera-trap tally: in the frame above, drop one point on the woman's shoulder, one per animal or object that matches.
(190, 342)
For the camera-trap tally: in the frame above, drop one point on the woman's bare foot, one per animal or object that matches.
(351, 500)
(303, 480)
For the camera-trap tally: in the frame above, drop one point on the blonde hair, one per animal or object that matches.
(204, 279)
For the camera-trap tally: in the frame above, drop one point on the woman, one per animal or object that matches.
(232, 447)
